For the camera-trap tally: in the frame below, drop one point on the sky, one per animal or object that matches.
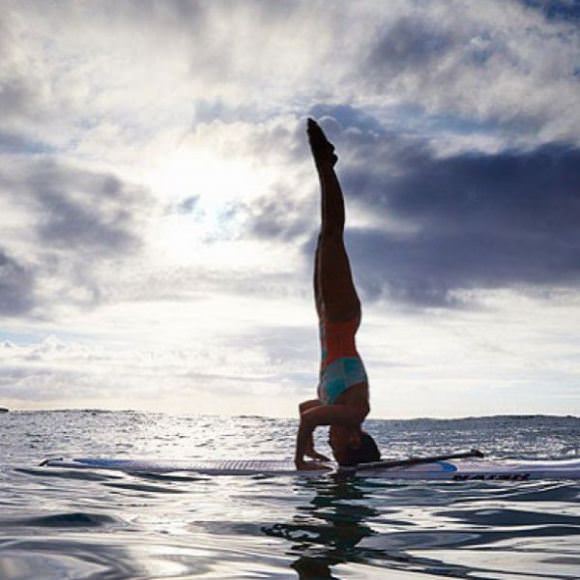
(159, 205)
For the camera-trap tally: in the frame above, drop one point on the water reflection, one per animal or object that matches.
(391, 526)
(326, 531)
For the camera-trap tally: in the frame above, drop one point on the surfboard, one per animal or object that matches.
(446, 470)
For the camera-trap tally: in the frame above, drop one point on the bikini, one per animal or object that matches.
(341, 366)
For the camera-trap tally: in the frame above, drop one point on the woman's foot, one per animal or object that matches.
(322, 148)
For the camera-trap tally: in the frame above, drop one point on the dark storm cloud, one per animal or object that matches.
(534, 192)
(16, 287)
(484, 221)
(475, 221)
(567, 10)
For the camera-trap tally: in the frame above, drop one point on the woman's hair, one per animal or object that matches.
(367, 452)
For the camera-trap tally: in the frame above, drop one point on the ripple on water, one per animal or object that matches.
(64, 520)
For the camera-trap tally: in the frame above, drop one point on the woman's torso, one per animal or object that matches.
(340, 358)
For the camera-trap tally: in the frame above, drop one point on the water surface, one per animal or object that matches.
(59, 523)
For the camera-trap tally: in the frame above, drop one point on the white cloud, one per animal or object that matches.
(503, 63)
(157, 196)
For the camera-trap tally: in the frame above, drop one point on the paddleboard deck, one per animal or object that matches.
(450, 470)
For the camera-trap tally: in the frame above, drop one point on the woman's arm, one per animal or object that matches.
(322, 415)
(309, 450)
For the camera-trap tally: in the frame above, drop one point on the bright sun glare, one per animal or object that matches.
(203, 198)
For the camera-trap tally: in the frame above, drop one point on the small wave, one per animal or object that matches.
(144, 488)
(65, 520)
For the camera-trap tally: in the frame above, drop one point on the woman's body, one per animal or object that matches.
(343, 394)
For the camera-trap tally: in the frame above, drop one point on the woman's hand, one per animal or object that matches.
(311, 452)
(311, 466)
(315, 455)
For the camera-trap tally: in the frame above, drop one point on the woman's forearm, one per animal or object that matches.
(305, 431)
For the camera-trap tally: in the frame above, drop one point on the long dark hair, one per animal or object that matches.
(366, 452)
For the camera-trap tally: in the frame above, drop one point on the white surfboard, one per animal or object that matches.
(450, 470)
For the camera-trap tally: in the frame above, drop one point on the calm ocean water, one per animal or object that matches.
(59, 524)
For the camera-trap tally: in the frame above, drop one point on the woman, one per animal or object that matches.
(343, 392)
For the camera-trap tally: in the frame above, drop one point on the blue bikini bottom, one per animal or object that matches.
(338, 376)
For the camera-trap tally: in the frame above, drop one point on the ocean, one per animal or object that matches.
(60, 523)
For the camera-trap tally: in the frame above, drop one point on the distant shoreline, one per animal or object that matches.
(480, 418)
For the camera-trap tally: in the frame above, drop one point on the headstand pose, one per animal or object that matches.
(343, 392)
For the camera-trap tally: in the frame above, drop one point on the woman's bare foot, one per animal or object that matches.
(322, 148)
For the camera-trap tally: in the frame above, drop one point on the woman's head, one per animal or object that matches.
(352, 445)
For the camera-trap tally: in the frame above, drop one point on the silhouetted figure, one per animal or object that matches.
(343, 392)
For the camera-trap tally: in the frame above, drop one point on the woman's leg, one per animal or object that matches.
(334, 287)
(317, 292)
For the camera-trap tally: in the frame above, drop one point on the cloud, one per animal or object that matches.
(261, 173)
(188, 204)
(480, 221)
(566, 10)
(444, 227)
(87, 210)
(78, 221)
(502, 62)
(74, 209)
(336, 117)
(278, 216)
(15, 93)
(16, 287)
(410, 43)
(55, 370)
(499, 63)
(156, 187)
(14, 143)
(25, 84)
